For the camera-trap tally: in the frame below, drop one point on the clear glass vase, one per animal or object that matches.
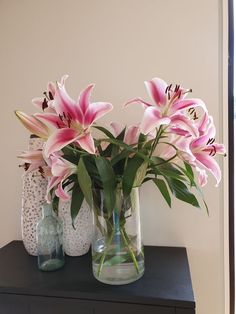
(117, 249)
(49, 235)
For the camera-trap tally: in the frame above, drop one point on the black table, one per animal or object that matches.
(165, 287)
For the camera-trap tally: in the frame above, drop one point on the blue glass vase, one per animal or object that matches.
(49, 235)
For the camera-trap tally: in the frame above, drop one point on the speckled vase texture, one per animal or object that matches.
(33, 196)
(76, 241)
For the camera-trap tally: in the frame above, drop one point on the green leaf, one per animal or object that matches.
(189, 173)
(121, 135)
(141, 173)
(130, 172)
(141, 140)
(71, 154)
(55, 203)
(76, 202)
(167, 172)
(163, 189)
(122, 155)
(104, 130)
(85, 182)
(180, 191)
(108, 179)
(128, 148)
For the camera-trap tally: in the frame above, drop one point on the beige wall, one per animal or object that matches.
(118, 44)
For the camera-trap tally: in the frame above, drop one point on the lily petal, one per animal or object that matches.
(62, 167)
(210, 164)
(87, 143)
(64, 104)
(52, 118)
(203, 123)
(199, 142)
(38, 102)
(62, 193)
(156, 89)
(202, 177)
(59, 139)
(51, 88)
(152, 119)
(95, 111)
(116, 128)
(63, 80)
(131, 135)
(188, 103)
(179, 131)
(139, 101)
(185, 123)
(54, 181)
(84, 98)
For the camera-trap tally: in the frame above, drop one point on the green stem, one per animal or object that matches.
(105, 253)
(129, 241)
(170, 145)
(159, 133)
(164, 162)
(130, 250)
(76, 151)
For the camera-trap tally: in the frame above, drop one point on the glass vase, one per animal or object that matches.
(117, 250)
(49, 235)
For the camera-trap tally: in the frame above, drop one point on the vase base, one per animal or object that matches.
(52, 264)
(118, 275)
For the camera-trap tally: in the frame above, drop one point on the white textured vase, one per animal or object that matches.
(33, 197)
(76, 242)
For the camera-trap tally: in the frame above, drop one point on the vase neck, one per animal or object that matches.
(46, 210)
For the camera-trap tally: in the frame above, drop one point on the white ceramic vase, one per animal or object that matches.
(76, 241)
(33, 196)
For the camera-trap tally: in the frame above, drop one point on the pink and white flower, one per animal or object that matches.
(73, 120)
(33, 160)
(204, 149)
(169, 104)
(46, 103)
(61, 170)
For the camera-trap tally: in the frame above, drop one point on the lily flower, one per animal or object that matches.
(73, 120)
(33, 124)
(169, 104)
(34, 160)
(46, 103)
(61, 169)
(204, 149)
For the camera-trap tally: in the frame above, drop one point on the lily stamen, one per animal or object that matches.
(50, 95)
(210, 141)
(44, 104)
(213, 151)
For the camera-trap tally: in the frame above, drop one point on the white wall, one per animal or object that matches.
(118, 44)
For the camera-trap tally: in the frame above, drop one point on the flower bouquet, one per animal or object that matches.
(173, 146)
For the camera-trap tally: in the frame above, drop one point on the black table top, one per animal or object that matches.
(166, 280)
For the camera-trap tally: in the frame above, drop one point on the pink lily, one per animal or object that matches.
(34, 160)
(204, 149)
(169, 103)
(46, 103)
(73, 120)
(33, 124)
(61, 169)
